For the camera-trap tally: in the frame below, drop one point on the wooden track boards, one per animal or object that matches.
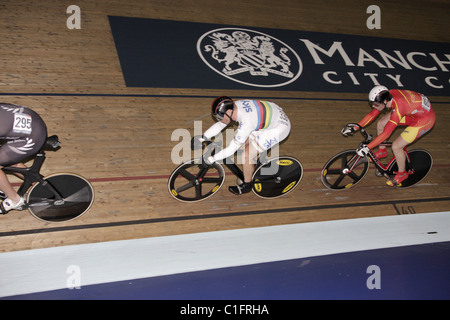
(120, 138)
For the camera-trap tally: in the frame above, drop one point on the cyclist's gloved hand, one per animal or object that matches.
(197, 141)
(348, 130)
(363, 150)
(207, 161)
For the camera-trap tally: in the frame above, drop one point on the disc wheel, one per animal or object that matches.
(419, 166)
(277, 177)
(77, 197)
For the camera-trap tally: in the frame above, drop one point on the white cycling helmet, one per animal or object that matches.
(379, 94)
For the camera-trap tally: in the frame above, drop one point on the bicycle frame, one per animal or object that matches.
(32, 174)
(229, 163)
(383, 169)
(194, 181)
(234, 169)
(347, 168)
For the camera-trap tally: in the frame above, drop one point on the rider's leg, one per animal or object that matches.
(13, 200)
(397, 148)
(381, 123)
(248, 165)
(258, 142)
(408, 136)
(7, 158)
(7, 188)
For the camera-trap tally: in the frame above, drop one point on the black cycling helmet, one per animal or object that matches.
(220, 106)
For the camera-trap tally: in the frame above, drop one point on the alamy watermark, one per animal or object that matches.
(74, 279)
(74, 20)
(182, 151)
(374, 280)
(374, 21)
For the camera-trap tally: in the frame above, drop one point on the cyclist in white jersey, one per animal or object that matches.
(262, 125)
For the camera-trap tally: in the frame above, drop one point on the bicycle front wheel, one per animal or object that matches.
(344, 170)
(277, 177)
(76, 192)
(187, 185)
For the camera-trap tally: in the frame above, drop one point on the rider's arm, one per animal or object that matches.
(349, 129)
(214, 130)
(241, 136)
(227, 152)
(368, 118)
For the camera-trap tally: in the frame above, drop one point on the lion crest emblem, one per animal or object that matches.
(237, 53)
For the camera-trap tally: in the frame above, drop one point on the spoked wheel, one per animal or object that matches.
(190, 182)
(419, 166)
(277, 177)
(77, 197)
(344, 170)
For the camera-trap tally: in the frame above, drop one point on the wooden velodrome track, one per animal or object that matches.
(120, 138)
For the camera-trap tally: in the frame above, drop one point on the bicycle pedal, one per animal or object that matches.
(393, 183)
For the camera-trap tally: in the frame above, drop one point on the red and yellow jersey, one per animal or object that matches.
(408, 108)
(412, 105)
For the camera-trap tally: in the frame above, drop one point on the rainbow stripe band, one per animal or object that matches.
(264, 110)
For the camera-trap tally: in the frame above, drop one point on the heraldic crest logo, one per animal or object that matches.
(249, 57)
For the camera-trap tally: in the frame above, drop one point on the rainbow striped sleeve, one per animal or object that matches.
(264, 110)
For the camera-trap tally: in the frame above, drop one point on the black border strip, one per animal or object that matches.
(125, 95)
(218, 215)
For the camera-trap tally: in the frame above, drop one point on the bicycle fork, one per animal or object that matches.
(352, 164)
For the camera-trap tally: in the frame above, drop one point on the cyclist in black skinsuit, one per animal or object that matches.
(22, 135)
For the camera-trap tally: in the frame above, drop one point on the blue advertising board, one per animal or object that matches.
(179, 54)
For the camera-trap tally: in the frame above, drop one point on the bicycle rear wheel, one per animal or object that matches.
(185, 183)
(277, 177)
(76, 191)
(419, 166)
(344, 170)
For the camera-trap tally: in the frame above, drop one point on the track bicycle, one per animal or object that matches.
(272, 178)
(347, 168)
(56, 198)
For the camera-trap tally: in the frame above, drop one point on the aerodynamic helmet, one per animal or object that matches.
(378, 94)
(220, 106)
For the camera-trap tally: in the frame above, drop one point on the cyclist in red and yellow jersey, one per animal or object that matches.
(407, 108)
